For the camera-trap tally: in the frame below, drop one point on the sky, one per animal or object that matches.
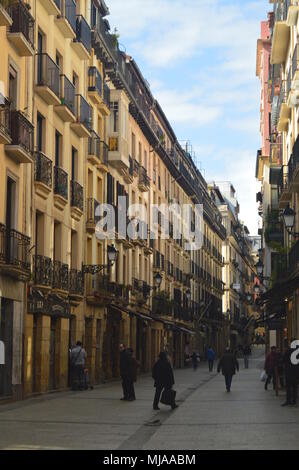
(199, 57)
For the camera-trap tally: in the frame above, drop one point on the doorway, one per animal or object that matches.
(6, 335)
(52, 380)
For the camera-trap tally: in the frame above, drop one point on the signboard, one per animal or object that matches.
(2, 353)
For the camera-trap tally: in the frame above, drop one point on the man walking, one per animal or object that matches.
(270, 363)
(291, 375)
(211, 358)
(125, 372)
(163, 376)
(78, 357)
(228, 364)
(246, 354)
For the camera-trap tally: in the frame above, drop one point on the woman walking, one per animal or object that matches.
(164, 379)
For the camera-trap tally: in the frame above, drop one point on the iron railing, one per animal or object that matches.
(14, 248)
(92, 205)
(47, 73)
(4, 115)
(83, 112)
(67, 93)
(95, 82)
(294, 258)
(83, 32)
(22, 21)
(60, 276)
(43, 271)
(60, 182)
(76, 195)
(94, 145)
(43, 169)
(143, 177)
(106, 94)
(21, 131)
(68, 11)
(76, 282)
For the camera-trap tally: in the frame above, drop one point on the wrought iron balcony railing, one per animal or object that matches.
(4, 115)
(83, 32)
(68, 11)
(95, 82)
(67, 93)
(92, 205)
(22, 21)
(60, 276)
(76, 285)
(104, 152)
(47, 73)
(83, 112)
(43, 271)
(106, 94)
(14, 248)
(77, 195)
(60, 182)
(21, 131)
(143, 177)
(43, 169)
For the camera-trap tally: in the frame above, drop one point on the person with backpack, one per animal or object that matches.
(211, 358)
(77, 358)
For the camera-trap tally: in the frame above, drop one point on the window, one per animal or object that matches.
(11, 203)
(13, 87)
(114, 117)
(58, 150)
(74, 164)
(40, 121)
(133, 145)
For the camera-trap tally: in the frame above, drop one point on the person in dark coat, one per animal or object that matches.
(125, 365)
(133, 375)
(228, 364)
(163, 376)
(270, 363)
(291, 375)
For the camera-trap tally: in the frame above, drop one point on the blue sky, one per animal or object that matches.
(199, 57)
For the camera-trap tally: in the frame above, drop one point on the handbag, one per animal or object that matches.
(168, 396)
(263, 376)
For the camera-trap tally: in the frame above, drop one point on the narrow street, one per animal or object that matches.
(207, 418)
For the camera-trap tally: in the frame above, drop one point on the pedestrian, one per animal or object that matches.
(280, 367)
(246, 354)
(270, 363)
(133, 375)
(125, 366)
(77, 358)
(211, 358)
(163, 376)
(195, 360)
(228, 364)
(291, 375)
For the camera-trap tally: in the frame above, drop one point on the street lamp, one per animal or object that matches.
(256, 289)
(97, 268)
(289, 220)
(158, 281)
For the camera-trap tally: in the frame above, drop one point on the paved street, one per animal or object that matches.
(207, 418)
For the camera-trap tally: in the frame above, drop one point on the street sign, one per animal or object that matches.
(2, 353)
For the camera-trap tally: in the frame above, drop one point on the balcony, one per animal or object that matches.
(95, 85)
(118, 154)
(284, 109)
(293, 168)
(67, 95)
(284, 190)
(21, 130)
(42, 271)
(82, 43)
(292, 9)
(14, 253)
(76, 286)
(47, 81)
(5, 19)
(100, 291)
(273, 228)
(293, 80)
(294, 258)
(82, 126)
(51, 7)
(5, 137)
(21, 32)
(76, 200)
(60, 277)
(42, 175)
(66, 20)
(60, 188)
(281, 34)
(91, 218)
(105, 105)
(144, 181)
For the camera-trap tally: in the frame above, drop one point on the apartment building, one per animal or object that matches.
(277, 173)
(79, 129)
